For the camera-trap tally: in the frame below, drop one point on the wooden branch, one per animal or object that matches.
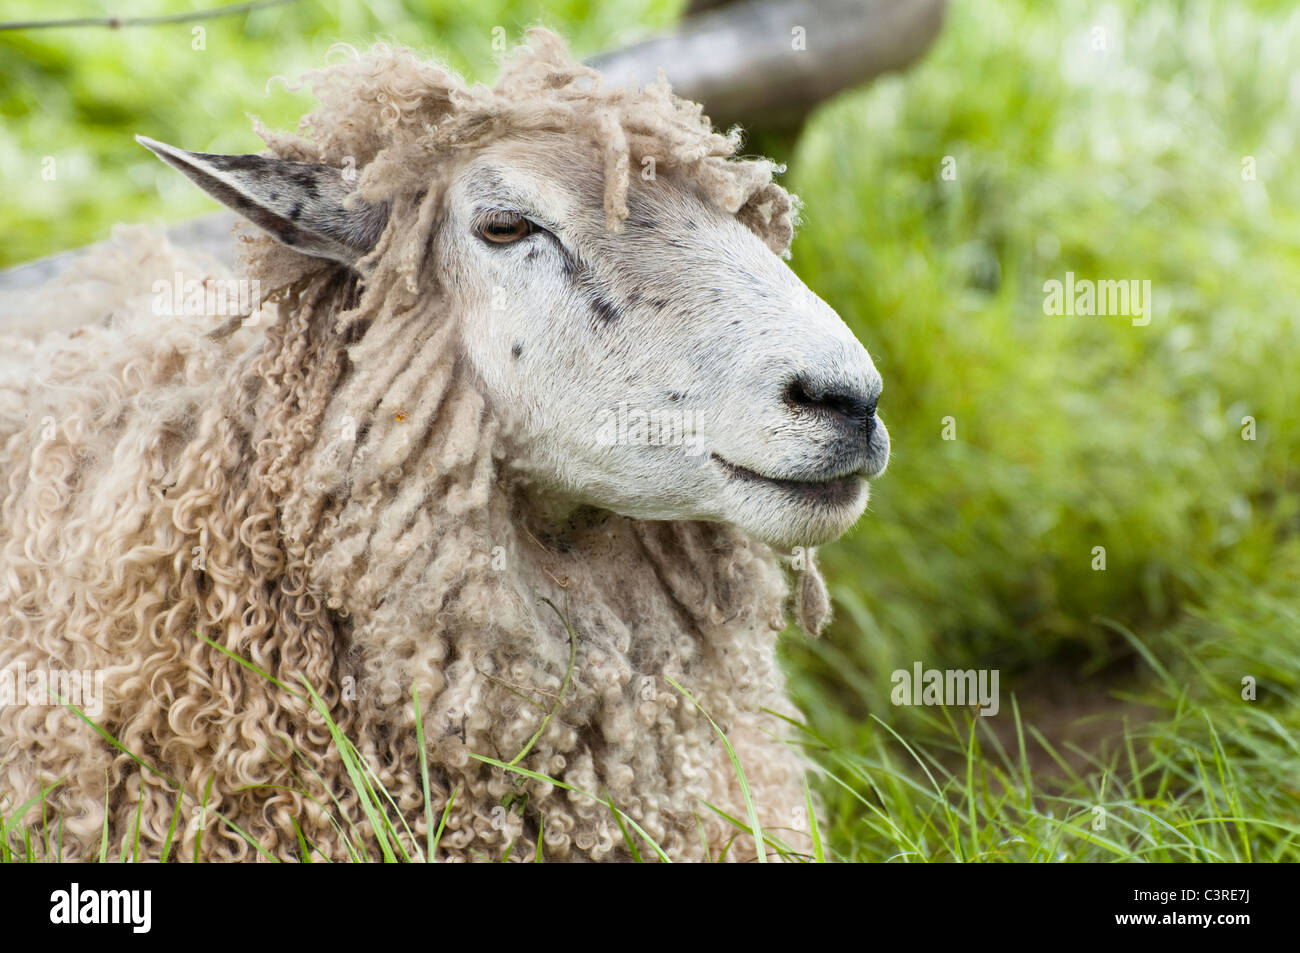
(114, 23)
(743, 61)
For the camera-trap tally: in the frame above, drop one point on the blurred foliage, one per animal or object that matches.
(1118, 162)
(1072, 432)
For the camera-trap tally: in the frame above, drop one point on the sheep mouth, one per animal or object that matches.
(838, 490)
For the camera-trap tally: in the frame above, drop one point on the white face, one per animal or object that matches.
(676, 370)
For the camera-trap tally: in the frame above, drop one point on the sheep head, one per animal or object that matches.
(618, 293)
(673, 369)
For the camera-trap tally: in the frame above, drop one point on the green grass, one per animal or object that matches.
(1071, 433)
(908, 804)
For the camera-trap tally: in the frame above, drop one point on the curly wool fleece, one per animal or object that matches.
(324, 494)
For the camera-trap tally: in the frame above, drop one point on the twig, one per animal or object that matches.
(114, 23)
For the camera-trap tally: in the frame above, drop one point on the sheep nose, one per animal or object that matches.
(849, 404)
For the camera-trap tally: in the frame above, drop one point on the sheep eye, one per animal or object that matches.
(502, 228)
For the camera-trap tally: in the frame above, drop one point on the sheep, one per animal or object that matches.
(432, 457)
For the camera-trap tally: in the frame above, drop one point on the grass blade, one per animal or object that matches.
(754, 826)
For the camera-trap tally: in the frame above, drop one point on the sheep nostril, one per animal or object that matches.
(850, 403)
(797, 395)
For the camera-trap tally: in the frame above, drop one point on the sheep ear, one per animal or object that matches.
(297, 203)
